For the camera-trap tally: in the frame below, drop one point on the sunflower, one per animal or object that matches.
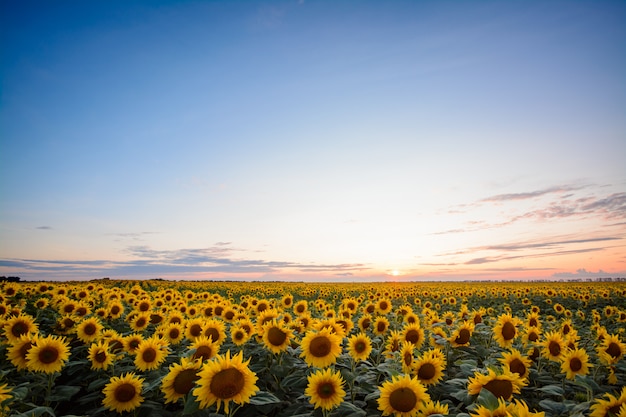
(612, 349)
(174, 332)
(276, 336)
(140, 322)
(609, 406)
(301, 307)
(365, 322)
(413, 333)
(502, 410)
(531, 335)
(553, 346)
(18, 350)
(131, 342)
(150, 354)
(89, 330)
(429, 367)
(5, 394)
(517, 363)
(115, 309)
(402, 396)
(123, 393)
(325, 387)
(575, 362)
(429, 408)
(505, 330)
(180, 380)
(18, 326)
(320, 349)
(359, 346)
(392, 343)
(194, 328)
(204, 348)
(383, 306)
(100, 356)
(225, 379)
(216, 330)
(238, 334)
(48, 354)
(461, 336)
(381, 325)
(406, 357)
(502, 385)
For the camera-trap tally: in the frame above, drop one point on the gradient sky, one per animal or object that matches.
(313, 140)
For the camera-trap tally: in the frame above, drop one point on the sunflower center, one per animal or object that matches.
(463, 337)
(115, 310)
(613, 350)
(149, 355)
(276, 336)
(533, 337)
(554, 348)
(575, 364)
(533, 322)
(229, 315)
(174, 333)
(320, 346)
(478, 319)
(204, 352)
(426, 372)
(518, 367)
(19, 329)
(48, 355)
(508, 331)
(381, 326)
(360, 346)
(100, 357)
(366, 323)
(412, 336)
(227, 383)
(383, 305)
(90, 329)
(124, 393)
(403, 400)
(25, 348)
(408, 358)
(212, 333)
(500, 388)
(195, 330)
(613, 410)
(325, 390)
(238, 335)
(185, 381)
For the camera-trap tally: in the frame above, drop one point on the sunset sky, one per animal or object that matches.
(313, 140)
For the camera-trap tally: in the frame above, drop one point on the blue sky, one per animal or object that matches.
(313, 140)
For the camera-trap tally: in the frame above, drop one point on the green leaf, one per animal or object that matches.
(263, 398)
(487, 399)
(191, 405)
(63, 393)
(38, 411)
(556, 390)
(554, 407)
(348, 409)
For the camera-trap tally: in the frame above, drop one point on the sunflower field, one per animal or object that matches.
(179, 348)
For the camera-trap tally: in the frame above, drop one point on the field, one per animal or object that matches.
(166, 348)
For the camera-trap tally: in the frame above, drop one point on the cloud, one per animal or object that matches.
(43, 228)
(531, 194)
(582, 273)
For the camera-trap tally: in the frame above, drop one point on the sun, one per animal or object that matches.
(396, 273)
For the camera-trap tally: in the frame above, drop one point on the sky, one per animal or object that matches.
(313, 140)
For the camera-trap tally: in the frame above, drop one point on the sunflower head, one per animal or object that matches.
(359, 346)
(48, 355)
(321, 349)
(123, 393)
(325, 389)
(402, 396)
(181, 379)
(502, 385)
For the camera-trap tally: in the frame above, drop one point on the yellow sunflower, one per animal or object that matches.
(505, 330)
(140, 322)
(194, 328)
(365, 322)
(100, 356)
(413, 333)
(216, 330)
(174, 332)
(325, 388)
(406, 357)
(89, 330)
(502, 410)
(18, 326)
(609, 406)
(123, 393)
(402, 396)
(5, 394)
(48, 354)
(276, 336)
(204, 348)
(461, 336)
(575, 362)
(612, 349)
(320, 349)
(301, 307)
(531, 335)
(429, 367)
(383, 306)
(150, 354)
(429, 408)
(553, 347)
(238, 334)
(18, 350)
(181, 379)
(225, 380)
(502, 385)
(517, 363)
(359, 346)
(131, 342)
(380, 326)
(392, 343)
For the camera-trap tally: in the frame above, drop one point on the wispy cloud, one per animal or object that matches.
(531, 194)
(43, 228)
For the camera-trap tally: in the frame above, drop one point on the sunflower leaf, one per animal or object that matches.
(556, 390)
(487, 399)
(264, 397)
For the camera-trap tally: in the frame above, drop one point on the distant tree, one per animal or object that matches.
(9, 279)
